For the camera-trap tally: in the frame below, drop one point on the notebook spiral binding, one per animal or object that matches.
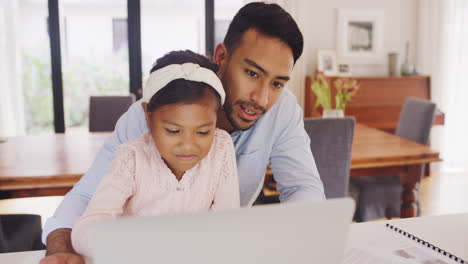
(427, 244)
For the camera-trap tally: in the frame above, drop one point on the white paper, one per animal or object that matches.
(387, 246)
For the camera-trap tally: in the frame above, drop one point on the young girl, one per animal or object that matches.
(183, 164)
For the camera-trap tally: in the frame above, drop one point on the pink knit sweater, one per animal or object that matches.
(139, 183)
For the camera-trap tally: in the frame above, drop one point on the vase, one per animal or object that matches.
(392, 63)
(406, 67)
(333, 113)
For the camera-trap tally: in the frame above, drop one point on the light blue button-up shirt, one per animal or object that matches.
(277, 139)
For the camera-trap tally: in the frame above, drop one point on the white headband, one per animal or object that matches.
(188, 71)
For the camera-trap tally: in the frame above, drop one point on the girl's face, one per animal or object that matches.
(183, 133)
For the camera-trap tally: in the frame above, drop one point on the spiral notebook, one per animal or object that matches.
(424, 240)
(427, 244)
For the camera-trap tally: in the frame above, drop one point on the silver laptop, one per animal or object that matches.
(293, 233)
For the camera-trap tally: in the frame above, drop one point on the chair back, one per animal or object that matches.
(104, 111)
(20, 232)
(3, 243)
(331, 141)
(416, 118)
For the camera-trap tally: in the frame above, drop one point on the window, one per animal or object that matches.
(120, 34)
(166, 27)
(35, 66)
(94, 53)
(225, 10)
(97, 59)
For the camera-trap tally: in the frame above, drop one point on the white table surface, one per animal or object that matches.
(28, 257)
(449, 232)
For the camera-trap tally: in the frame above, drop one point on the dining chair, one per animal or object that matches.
(380, 196)
(20, 232)
(331, 141)
(104, 111)
(3, 242)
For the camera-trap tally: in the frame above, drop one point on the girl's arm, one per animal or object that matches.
(116, 187)
(131, 125)
(227, 194)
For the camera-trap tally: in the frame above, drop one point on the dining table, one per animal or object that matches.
(51, 164)
(46, 165)
(376, 152)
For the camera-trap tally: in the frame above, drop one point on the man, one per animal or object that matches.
(255, 62)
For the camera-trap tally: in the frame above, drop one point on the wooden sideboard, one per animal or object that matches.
(379, 100)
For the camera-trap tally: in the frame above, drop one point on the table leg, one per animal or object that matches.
(410, 191)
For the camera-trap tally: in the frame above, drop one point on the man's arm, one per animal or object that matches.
(109, 200)
(291, 160)
(130, 126)
(60, 250)
(59, 241)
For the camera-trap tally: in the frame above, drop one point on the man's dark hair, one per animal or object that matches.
(181, 90)
(268, 19)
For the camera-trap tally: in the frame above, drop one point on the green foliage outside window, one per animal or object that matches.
(81, 79)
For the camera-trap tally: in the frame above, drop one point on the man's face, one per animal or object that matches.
(253, 76)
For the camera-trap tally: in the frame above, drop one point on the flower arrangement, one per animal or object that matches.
(345, 90)
(322, 91)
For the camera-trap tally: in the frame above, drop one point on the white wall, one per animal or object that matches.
(318, 21)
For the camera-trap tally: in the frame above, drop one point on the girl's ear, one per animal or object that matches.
(147, 114)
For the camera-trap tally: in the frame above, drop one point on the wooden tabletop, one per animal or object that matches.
(377, 152)
(373, 148)
(59, 160)
(54, 160)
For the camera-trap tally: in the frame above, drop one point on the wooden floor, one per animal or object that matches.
(440, 194)
(444, 194)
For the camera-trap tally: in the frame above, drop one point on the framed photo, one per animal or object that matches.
(344, 69)
(360, 36)
(326, 62)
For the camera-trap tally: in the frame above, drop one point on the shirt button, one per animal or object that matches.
(179, 189)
